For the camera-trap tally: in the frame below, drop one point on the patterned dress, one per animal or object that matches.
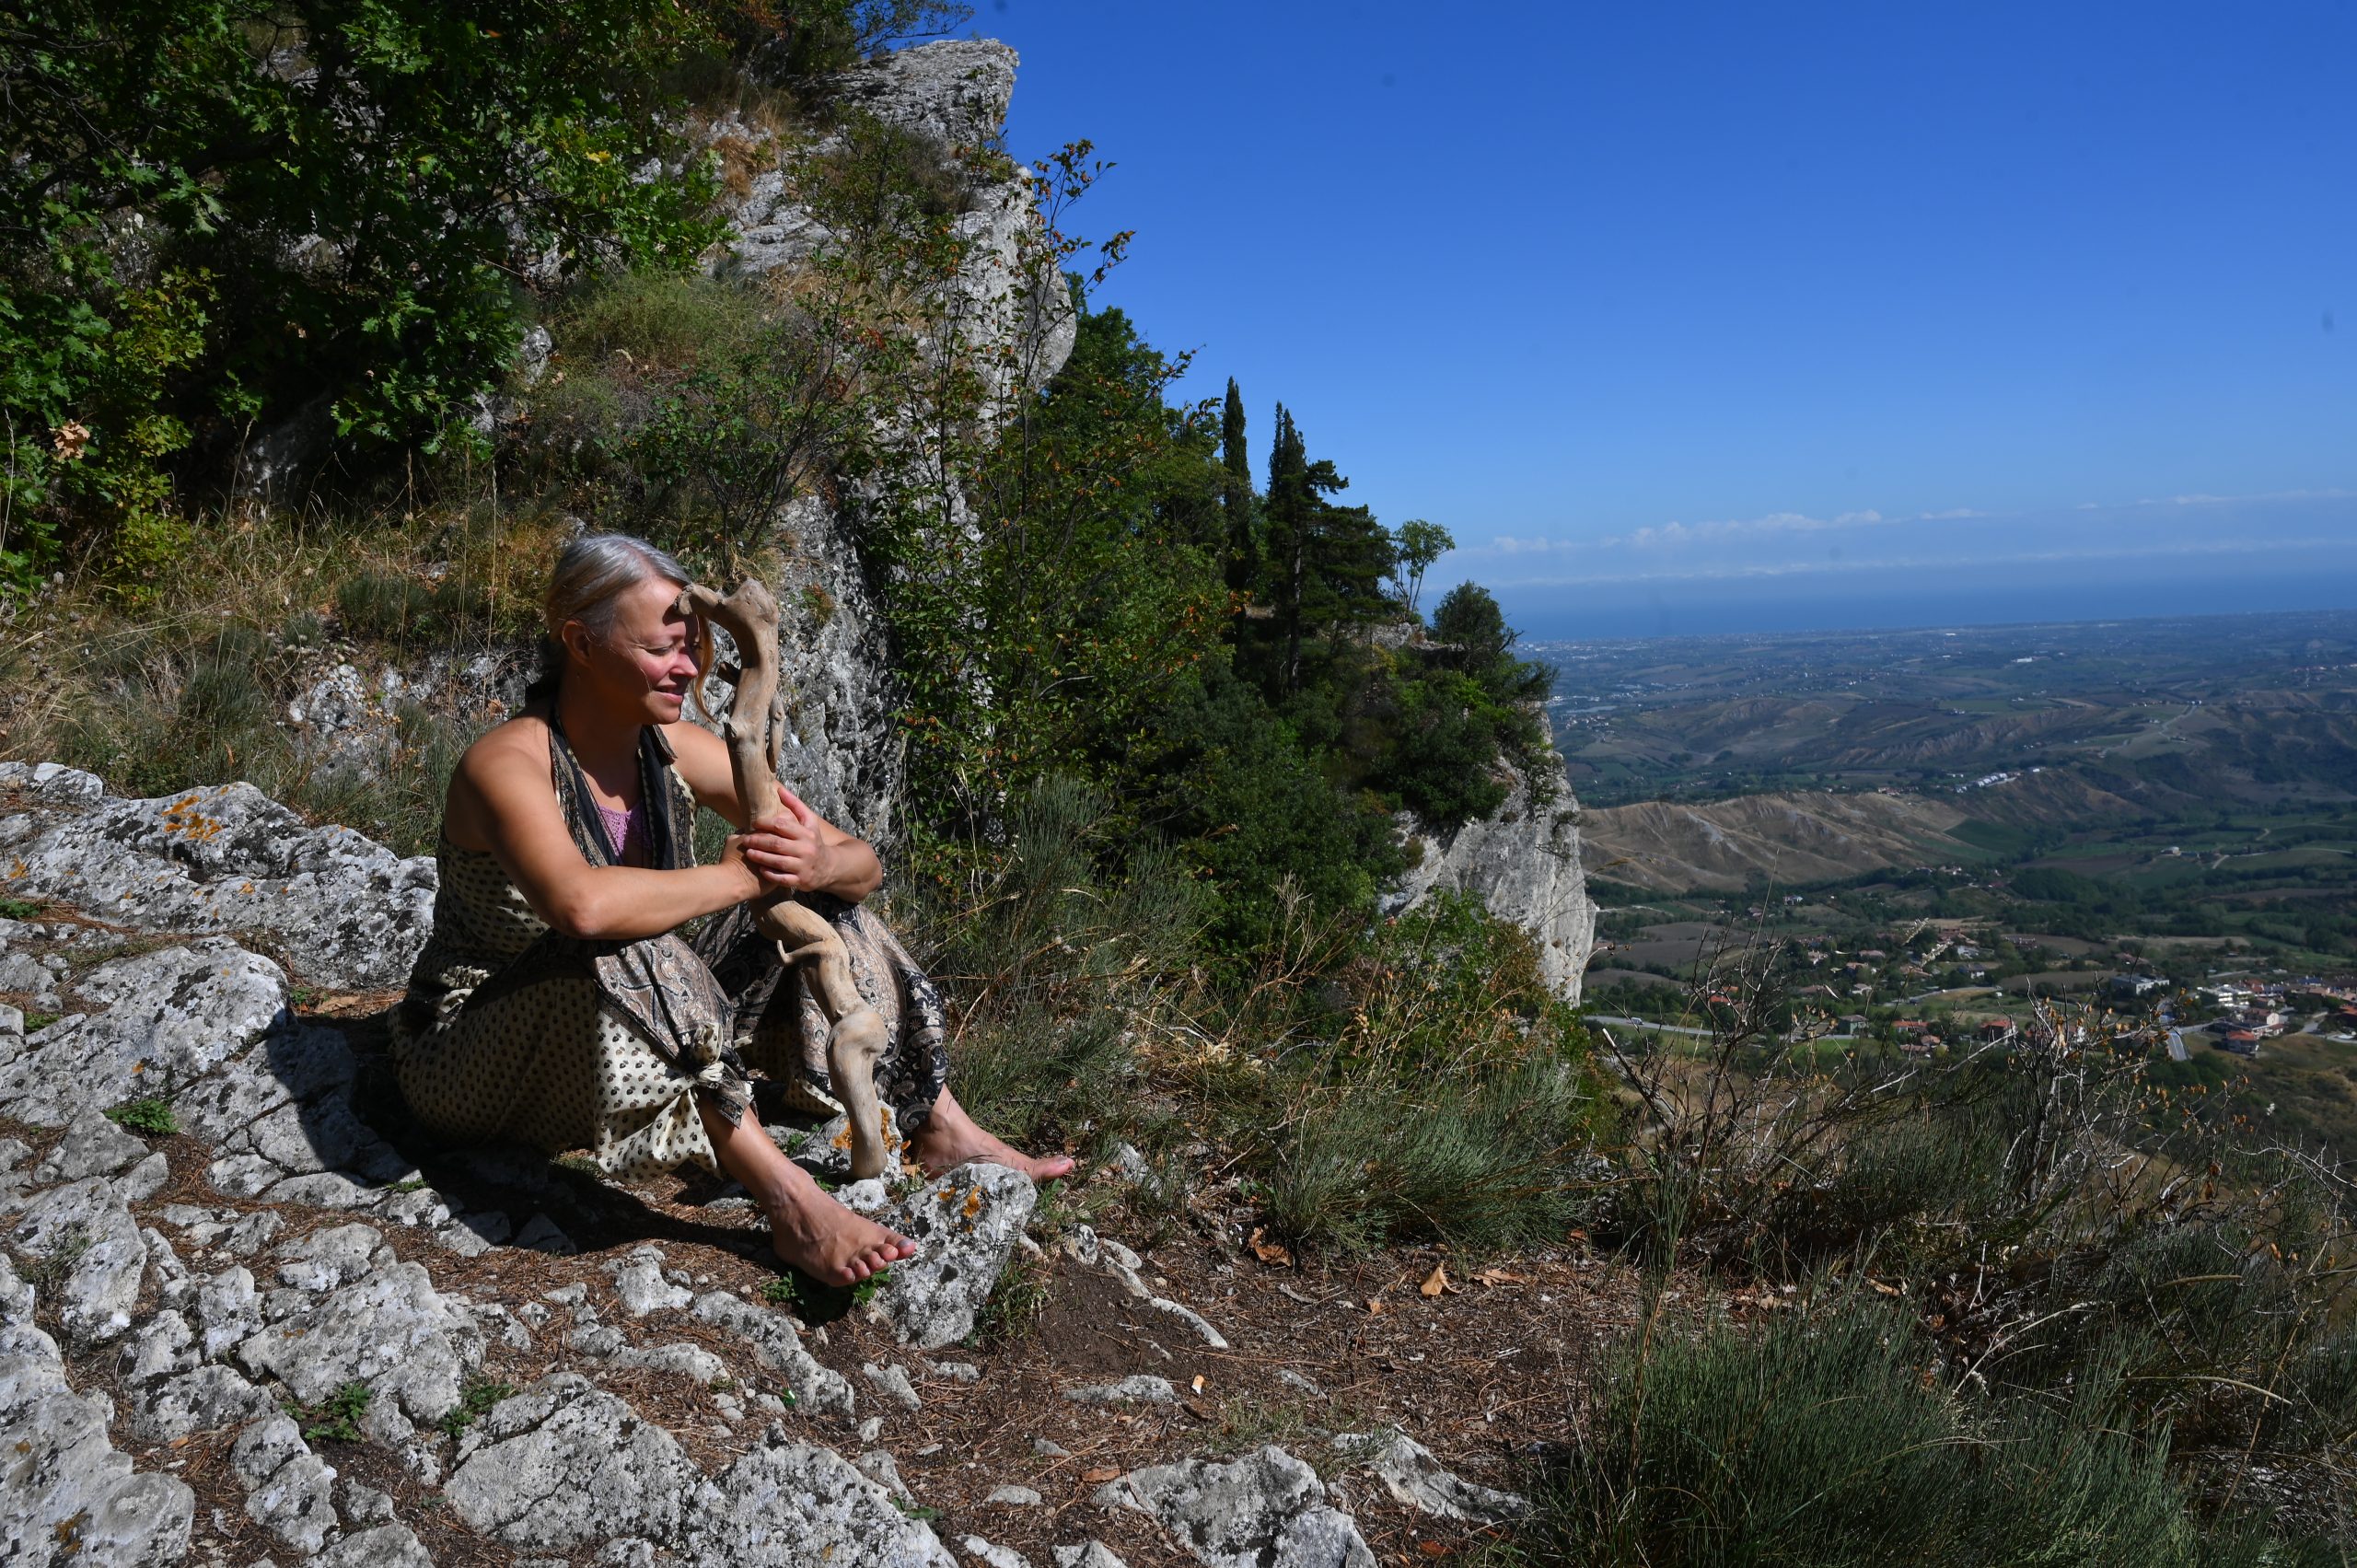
(512, 1031)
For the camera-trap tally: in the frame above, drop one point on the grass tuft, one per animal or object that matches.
(1837, 1439)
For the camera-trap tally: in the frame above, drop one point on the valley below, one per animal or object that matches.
(1940, 832)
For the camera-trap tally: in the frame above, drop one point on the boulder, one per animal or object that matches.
(788, 1503)
(327, 1260)
(387, 1546)
(229, 1308)
(289, 1490)
(93, 1145)
(389, 1330)
(564, 1465)
(224, 858)
(84, 1229)
(1411, 1474)
(777, 1346)
(1266, 1510)
(65, 1494)
(965, 1224)
(1144, 1388)
(640, 1288)
(208, 1398)
(170, 1015)
(1089, 1554)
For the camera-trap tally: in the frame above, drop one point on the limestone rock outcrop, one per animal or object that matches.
(1005, 310)
(310, 1297)
(1523, 861)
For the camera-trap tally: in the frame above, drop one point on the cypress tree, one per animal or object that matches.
(1243, 548)
(1290, 501)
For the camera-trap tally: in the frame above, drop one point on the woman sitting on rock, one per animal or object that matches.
(556, 1002)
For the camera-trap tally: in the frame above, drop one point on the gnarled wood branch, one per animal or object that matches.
(805, 941)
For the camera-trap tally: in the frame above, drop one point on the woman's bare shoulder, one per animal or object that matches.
(692, 741)
(520, 741)
(502, 771)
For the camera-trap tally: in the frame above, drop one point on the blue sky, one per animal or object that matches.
(1695, 298)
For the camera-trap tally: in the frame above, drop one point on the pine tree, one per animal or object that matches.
(1242, 546)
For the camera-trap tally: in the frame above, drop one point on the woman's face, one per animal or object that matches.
(645, 665)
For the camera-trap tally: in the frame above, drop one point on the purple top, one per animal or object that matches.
(625, 833)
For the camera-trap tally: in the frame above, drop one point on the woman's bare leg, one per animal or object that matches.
(808, 1229)
(951, 1137)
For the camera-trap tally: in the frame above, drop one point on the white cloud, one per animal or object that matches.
(1754, 571)
(1773, 543)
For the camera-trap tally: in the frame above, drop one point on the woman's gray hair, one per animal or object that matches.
(592, 573)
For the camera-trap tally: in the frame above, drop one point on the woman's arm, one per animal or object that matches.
(810, 853)
(500, 795)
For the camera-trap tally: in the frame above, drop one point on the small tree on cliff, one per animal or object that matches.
(1417, 544)
(1468, 617)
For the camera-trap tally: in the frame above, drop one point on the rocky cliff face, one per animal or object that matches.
(1002, 310)
(1525, 863)
(256, 1312)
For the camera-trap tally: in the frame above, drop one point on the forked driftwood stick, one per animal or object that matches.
(805, 941)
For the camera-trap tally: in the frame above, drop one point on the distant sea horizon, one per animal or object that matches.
(1872, 602)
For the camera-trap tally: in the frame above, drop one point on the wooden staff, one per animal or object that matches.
(805, 940)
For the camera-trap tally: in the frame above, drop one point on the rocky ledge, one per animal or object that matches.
(248, 1311)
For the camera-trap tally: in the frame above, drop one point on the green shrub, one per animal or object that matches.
(336, 1419)
(1051, 953)
(1450, 1095)
(1490, 1156)
(656, 323)
(424, 155)
(152, 1114)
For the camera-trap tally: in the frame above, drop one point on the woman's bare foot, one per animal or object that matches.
(813, 1233)
(951, 1138)
(808, 1229)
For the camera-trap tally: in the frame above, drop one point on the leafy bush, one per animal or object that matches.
(197, 237)
(1249, 807)
(151, 1114)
